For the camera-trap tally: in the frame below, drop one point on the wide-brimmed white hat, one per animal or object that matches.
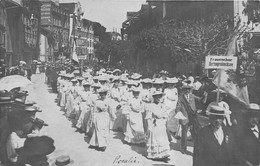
(102, 90)
(147, 80)
(158, 81)
(173, 80)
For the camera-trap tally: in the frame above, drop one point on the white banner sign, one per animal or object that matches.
(82, 57)
(221, 62)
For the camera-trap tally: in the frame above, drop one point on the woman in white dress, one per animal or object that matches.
(134, 127)
(85, 106)
(101, 121)
(157, 144)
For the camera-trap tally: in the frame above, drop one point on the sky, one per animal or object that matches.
(109, 13)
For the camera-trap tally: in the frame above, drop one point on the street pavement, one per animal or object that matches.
(70, 142)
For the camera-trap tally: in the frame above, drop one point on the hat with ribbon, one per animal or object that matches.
(6, 99)
(187, 87)
(218, 111)
(253, 110)
(32, 109)
(63, 160)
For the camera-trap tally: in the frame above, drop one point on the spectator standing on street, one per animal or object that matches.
(250, 141)
(187, 106)
(215, 145)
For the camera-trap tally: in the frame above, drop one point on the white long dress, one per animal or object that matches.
(134, 127)
(157, 143)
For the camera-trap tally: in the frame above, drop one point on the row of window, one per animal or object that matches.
(31, 31)
(61, 34)
(57, 21)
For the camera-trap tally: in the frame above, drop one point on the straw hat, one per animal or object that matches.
(187, 87)
(218, 111)
(253, 110)
(63, 160)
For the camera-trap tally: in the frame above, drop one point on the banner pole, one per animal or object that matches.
(219, 79)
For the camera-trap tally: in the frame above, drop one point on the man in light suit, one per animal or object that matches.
(186, 105)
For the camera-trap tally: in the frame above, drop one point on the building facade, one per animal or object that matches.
(22, 30)
(56, 25)
(81, 31)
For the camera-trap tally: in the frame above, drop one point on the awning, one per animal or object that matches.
(11, 4)
(47, 33)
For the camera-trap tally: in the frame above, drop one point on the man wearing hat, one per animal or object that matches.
(187, 106)
(5, 108)
(215, 144)
(170, 101)
(250, 139)
(222, 95)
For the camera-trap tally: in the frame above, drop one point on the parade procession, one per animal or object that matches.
(179, 84)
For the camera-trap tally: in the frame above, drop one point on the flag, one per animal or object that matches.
(74, 53)
(227, 82)
(164, 10)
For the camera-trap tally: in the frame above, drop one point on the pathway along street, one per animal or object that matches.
(72, 143)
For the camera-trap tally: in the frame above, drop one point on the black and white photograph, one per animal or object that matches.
(129, 83)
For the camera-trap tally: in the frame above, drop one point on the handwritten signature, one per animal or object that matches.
(120, 160)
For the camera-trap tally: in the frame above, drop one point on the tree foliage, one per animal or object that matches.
(186, 40)
(115, 52)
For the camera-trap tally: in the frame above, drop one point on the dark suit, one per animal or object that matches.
(4, 133)
(250, 146)
(208, 152)
(188, 109)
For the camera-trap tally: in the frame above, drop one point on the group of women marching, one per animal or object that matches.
(143, 109)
